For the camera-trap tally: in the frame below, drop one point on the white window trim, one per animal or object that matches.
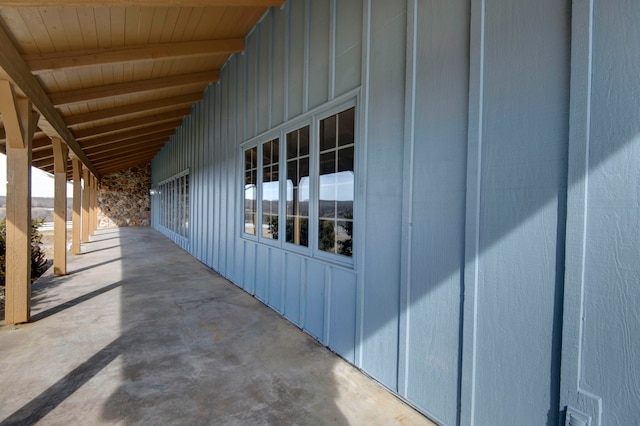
(311, 118)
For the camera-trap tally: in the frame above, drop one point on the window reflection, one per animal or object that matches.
(336, 183)
(298, 187)
(270, 189)
(250, 189)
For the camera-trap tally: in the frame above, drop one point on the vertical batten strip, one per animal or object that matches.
(271, 65)
(407, 197)
(333, 18)
(472, 219)
(307, 55)
(328, 282)
(217, 177)
(208, 122)
(362, 165)
(287, 59)
(572, 393)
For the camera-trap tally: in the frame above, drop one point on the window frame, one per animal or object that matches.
(258, 143)
(243, 149)
(312, 119)
(334, 110)
(173, 218)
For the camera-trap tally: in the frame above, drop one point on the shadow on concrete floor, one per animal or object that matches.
(140, 332)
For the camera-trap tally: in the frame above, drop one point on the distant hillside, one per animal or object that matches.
(41, 208)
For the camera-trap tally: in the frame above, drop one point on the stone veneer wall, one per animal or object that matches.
(123, 198)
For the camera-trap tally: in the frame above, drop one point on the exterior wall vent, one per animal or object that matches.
(576, 418)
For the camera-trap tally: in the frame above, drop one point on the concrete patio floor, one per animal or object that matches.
(140, 332)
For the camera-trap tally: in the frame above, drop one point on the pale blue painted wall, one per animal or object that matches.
(496, 267)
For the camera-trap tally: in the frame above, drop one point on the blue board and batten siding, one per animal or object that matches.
(495, 272)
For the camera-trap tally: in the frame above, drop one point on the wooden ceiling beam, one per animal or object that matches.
(141, 3)
(85, 58)
(36, 135)
(167, 128)
(102, 114)
(42, 154)
(11, 117)
(129, 87)
(102, 161)
(114, 155)
(125, 165)
(123, 145)
(17, 70)
(43, 163)
(36, 144)
(123, 126)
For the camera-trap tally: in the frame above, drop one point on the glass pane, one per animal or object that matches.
(270, 190)
(336, 183)
(297, 187)
(304, 168)
(304, 141)
(250, 191)
(328, 133)
(298, 230)
(187, 211)
(266, 154)
(275, 152)
(345, 210)
(346, 127)
(292, 145)
(270, 226)
(327, 236)
(248, 159)
(292, 172)
(345, 159)
(344, 232)
(328, 163)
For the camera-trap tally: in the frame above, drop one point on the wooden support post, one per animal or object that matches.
(60, 154)
(19, 123)
(95, 203)
(77, 204)
(91, 207)
(86, 196)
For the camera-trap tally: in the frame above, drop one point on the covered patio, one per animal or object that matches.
(141, 332)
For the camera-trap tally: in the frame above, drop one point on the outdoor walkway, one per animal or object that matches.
(140, 332)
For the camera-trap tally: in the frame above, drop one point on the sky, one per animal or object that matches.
(41, 182)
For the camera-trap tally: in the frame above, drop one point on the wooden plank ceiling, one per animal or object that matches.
(114, 78)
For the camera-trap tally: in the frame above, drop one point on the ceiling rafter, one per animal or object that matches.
(102, 114)
(14, 66)
(132, 141)
(130, 87)
(123, 152)
(104, 161)
(123, 145)
(141, 3)
(168, 127)
(123, 113)
(125, 165)
(122, 126)
(44, 63)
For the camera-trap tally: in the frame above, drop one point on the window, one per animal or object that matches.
(174, 204)
(298, 187)
(250, 190)
(270, 189)
(310, 193)
(335, 204)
